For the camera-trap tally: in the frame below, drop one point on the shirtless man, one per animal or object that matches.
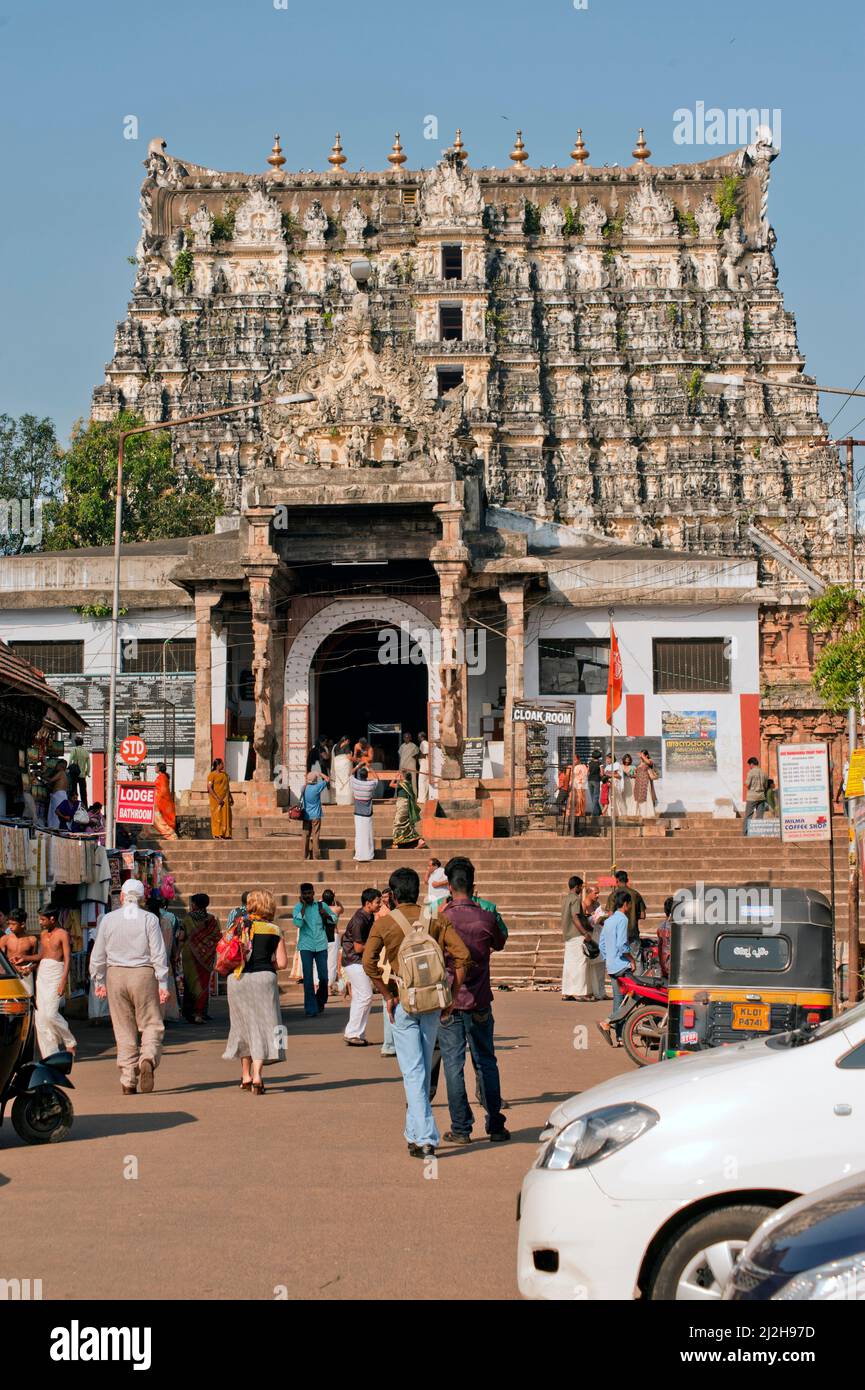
(20, 948)
(52, 1031)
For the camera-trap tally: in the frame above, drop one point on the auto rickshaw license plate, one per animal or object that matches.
(751, 1018)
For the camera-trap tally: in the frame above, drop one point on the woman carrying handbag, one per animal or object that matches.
(256, 1034)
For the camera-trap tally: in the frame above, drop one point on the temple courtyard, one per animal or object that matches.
(202, 1191)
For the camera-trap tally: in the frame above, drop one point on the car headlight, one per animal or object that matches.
(838, 1281)
(597, 1135)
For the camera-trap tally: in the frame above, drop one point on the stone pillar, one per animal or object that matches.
(261, 605)
(452, 671)
(450, 560)
(513, 596)
(205, 602)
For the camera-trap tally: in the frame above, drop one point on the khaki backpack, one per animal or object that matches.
(420, 973)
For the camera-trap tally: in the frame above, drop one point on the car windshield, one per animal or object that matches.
(807, 1034)
(6, 970)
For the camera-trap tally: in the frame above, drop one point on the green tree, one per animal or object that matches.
(30, 476)
(157, 501)
(839, 675)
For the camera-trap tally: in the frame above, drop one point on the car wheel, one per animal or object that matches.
(696, 1264)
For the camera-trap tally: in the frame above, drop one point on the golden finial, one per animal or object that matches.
(336, 156)
(459, 148)
(276, 158)
(641, 150)
(519, 153)
(396, 156)
(579, 154)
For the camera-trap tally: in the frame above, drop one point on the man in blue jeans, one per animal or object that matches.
(414, 1034)
(470, 1024)
(617, 955)
(309, 918)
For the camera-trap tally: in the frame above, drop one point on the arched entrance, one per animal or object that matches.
(336, 684)
(351, 689)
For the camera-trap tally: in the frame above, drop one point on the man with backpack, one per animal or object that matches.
(470, 1023)
(404, 957)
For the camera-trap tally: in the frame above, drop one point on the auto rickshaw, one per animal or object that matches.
(747, 962)
(41, 1112)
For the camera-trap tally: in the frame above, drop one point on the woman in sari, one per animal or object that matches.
(577, 792)
(406, 814)
(645, 777)
(342, 767)
(198, 957)
(164, 814)
(219, 790)
(170, 936)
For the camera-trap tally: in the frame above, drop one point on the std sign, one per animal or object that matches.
(135, 802)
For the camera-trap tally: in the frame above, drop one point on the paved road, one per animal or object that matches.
(308, 1187)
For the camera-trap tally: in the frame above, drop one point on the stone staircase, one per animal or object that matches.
(526, 876)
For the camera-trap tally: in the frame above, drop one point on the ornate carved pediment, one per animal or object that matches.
(649, 214)
(370, 407)
(450, 196)
(257, 222)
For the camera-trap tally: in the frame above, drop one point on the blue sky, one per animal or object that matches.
(218, 79)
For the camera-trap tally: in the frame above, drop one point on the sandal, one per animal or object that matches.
(606, 1033)
(257, 1088)
(246, 1085)
(357, 1042)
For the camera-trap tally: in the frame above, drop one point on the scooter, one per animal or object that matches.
(42, 1113)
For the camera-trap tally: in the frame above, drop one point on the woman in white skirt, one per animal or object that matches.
(257, 1034)
(363, 785)
(52, 1031)
(582, 977)
(341, 772)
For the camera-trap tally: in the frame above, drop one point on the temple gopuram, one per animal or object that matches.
(513, 430)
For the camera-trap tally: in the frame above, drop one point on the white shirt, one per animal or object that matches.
(408, 757)
(132, 937)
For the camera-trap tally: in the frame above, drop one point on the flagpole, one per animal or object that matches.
(612, 766)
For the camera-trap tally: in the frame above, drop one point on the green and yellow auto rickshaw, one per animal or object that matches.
(746, 962)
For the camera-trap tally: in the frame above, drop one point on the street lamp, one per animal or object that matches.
(296, 398)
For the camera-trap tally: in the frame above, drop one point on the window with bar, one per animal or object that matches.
(452, 262)
(451, 317)
(690, 664)
(448, 379)
(146, 655)
(54, 658)
(574, 665)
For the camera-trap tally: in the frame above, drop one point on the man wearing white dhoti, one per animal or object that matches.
(129, 965)
(52, 1031)
(583, 971)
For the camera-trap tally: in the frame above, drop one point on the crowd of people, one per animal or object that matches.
(603, 941)
(599, 786)
(422, 945)
(356, 777)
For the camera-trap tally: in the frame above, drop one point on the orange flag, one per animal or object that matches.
(614, 677)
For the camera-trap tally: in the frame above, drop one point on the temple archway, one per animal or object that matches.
(323, 651)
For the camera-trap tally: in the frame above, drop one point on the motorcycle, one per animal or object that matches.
(645, 1022)
(42, 1113)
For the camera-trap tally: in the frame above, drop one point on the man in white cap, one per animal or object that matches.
(129, 965)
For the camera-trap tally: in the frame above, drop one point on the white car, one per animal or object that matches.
(649, 1185)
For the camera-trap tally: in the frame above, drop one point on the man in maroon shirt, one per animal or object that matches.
(470, 1024)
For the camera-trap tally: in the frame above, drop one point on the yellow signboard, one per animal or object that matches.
(855, 784)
